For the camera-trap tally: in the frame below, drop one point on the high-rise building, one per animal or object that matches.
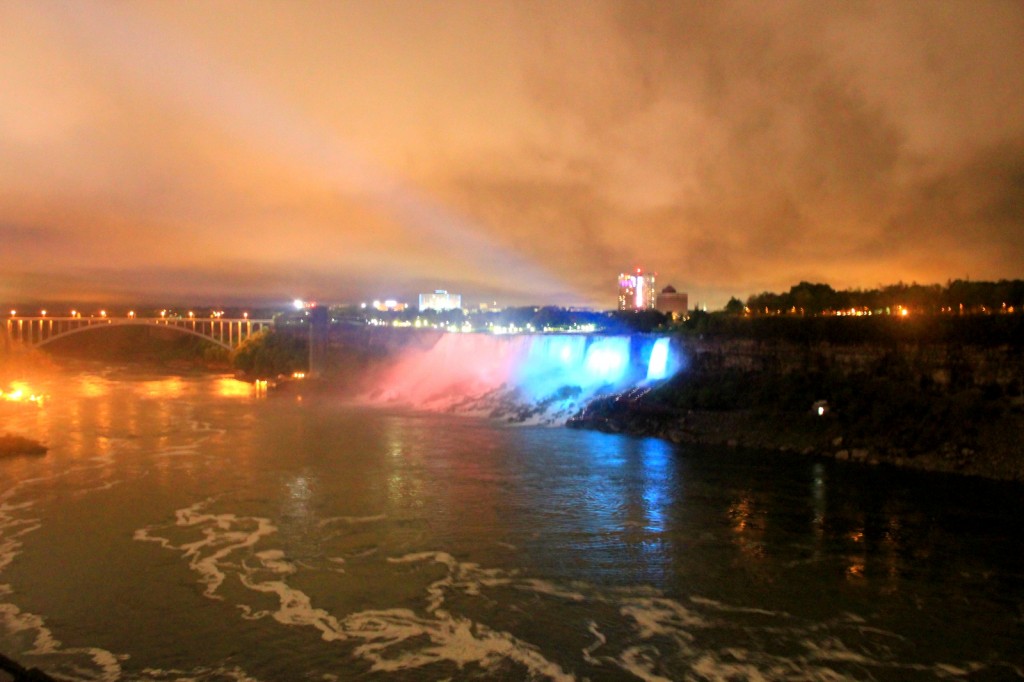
(440, 300)
(672, 302)
(636, 291)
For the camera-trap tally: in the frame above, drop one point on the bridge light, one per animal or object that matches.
(103, 313)
(191, 314)
(245, 315)
(163, 313)
(43, 313)
(13, 313)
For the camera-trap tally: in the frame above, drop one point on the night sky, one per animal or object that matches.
(523, 152)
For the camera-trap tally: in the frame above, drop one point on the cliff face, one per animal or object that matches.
(938, 406)
(945, 364)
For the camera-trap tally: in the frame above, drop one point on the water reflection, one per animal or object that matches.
(169, 387)
(748, 526)
(229, 387)
(93, 386)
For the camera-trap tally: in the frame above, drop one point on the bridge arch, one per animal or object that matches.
(128, 323)
(40, 331)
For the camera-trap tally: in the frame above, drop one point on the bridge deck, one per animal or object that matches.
(38, 331)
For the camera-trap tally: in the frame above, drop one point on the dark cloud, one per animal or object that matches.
(527, 151)
(783, 146)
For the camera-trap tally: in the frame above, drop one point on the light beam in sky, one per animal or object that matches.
(155, 59)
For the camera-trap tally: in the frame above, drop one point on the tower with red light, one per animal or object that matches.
(636, 290)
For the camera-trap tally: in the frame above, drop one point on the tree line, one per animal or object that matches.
(956, 296)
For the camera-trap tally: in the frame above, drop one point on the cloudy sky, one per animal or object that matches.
(524, 152)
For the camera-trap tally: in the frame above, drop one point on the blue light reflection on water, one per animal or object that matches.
(605, 497)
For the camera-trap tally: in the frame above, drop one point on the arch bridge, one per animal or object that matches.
(38, 331)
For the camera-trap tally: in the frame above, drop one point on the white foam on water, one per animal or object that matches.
(545, 587)
(234, 674)
(15, 523)
(105, 665)
(391, 639)
(225, 534)
(350, 520)
(657, 638)
(719, 606)
(640, 661)
(452, 639)
(364, 553)
(599, 641)
(664, 617)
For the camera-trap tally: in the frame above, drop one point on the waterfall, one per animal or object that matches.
(542, 377)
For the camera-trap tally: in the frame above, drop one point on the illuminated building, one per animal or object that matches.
(390, 305)
(440, 300)
(672, 302)
(636, 292)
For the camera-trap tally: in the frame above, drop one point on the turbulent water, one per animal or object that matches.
(186, 528)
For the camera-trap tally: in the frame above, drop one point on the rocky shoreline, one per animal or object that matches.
(18, 445)
(996, 452)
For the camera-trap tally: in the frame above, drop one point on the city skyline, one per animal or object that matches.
(510, 151)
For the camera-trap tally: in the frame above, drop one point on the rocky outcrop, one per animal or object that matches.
(17, 445)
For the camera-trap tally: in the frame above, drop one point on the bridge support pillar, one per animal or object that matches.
(319, 331)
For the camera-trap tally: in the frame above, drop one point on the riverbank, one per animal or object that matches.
(996, 454)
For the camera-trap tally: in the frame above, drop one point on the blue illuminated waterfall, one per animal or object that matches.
(549, 373)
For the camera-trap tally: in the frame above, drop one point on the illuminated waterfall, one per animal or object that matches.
(543, 376)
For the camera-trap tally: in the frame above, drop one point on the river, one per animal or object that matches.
(188, 528)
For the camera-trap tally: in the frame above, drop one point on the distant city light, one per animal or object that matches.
(299, 304)
(440, 301)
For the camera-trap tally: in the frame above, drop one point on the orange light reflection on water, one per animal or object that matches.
(20, 392)
(228, 387)
(171, 387)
